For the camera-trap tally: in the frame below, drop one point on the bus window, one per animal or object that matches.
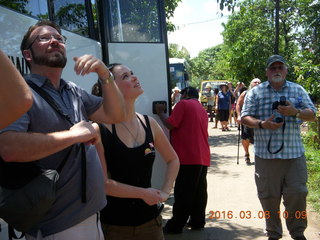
(33, 8)
(134, 21)
(73, 15)
(178, 73)
(203, 90)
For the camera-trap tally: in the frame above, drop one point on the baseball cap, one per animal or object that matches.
(275, 58)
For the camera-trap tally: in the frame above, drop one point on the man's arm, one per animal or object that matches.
(29, 146)
(15, 95)
(113, 107)
(239, 106)
(303, 114)
(248, 112)
(252, 122)
(160, 112)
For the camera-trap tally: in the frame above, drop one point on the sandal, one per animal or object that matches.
(247, 159)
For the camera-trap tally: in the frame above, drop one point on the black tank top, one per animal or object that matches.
(131, 166)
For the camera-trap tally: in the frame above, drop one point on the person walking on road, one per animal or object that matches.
(210, 100)
(223, 106)
(246, 132)
(275, 109)
(189, 131)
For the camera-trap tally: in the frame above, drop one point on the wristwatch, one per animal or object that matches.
(108, 80)
(260, 125)
(298, 113)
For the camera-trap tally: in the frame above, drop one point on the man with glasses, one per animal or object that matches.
(280, 164)
(47, 137)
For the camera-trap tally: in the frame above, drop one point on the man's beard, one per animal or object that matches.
(277, 78)
(56, 61)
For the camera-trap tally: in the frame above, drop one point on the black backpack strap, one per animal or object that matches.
(56, 107)
(83, 173)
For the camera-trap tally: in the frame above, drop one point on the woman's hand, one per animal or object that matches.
(151, 196)
(164, 196)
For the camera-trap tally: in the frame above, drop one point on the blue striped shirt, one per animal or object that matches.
(258, 104)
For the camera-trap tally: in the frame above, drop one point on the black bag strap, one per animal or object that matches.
(49, 100)
(56, 107)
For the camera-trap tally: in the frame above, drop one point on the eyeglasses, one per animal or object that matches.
(274, 68)
(256, 82)
(47, 38)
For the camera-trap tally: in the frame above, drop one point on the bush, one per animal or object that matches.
(311, 138)
(313, 164)
(311, 141)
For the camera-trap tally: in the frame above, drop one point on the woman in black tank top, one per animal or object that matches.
(127, 155)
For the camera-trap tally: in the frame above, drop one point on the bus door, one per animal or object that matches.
(135, 35)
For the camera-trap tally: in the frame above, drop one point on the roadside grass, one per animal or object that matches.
(313, 164)
(312, 147)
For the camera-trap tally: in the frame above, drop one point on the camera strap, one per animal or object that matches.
(56, 107)
(281, 147)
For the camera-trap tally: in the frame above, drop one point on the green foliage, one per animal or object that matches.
(248, 38)
(176, 51)
(308, 73)
(207, 65)
(310, 138)
(311, 142)
(170, 6)
(229, 4)
(313, 164)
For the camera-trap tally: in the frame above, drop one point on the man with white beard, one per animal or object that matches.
(275, 109)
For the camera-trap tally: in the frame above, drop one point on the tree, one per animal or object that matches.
(176, 51)
(207, 66)
(170, 6)
(247, 40)
(307, 63)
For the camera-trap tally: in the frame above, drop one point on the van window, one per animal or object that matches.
(203, 91)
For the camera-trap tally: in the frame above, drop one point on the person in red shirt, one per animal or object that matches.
(189, 137)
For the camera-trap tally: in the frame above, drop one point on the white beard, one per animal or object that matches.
(277, 79)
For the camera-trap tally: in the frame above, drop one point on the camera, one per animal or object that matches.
(281, 102)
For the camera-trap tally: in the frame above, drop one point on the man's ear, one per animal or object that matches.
(27, 55)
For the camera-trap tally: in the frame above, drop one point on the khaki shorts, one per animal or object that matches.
(89, 229)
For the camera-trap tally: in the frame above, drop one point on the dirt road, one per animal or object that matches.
(232, 195)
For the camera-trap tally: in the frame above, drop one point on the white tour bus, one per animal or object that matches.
(129, 32)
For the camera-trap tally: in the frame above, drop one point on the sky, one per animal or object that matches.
(199, 25)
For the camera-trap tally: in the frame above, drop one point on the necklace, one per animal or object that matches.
(135, 138)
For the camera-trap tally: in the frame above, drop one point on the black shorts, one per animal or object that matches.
(223, 115)
(247, 133)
